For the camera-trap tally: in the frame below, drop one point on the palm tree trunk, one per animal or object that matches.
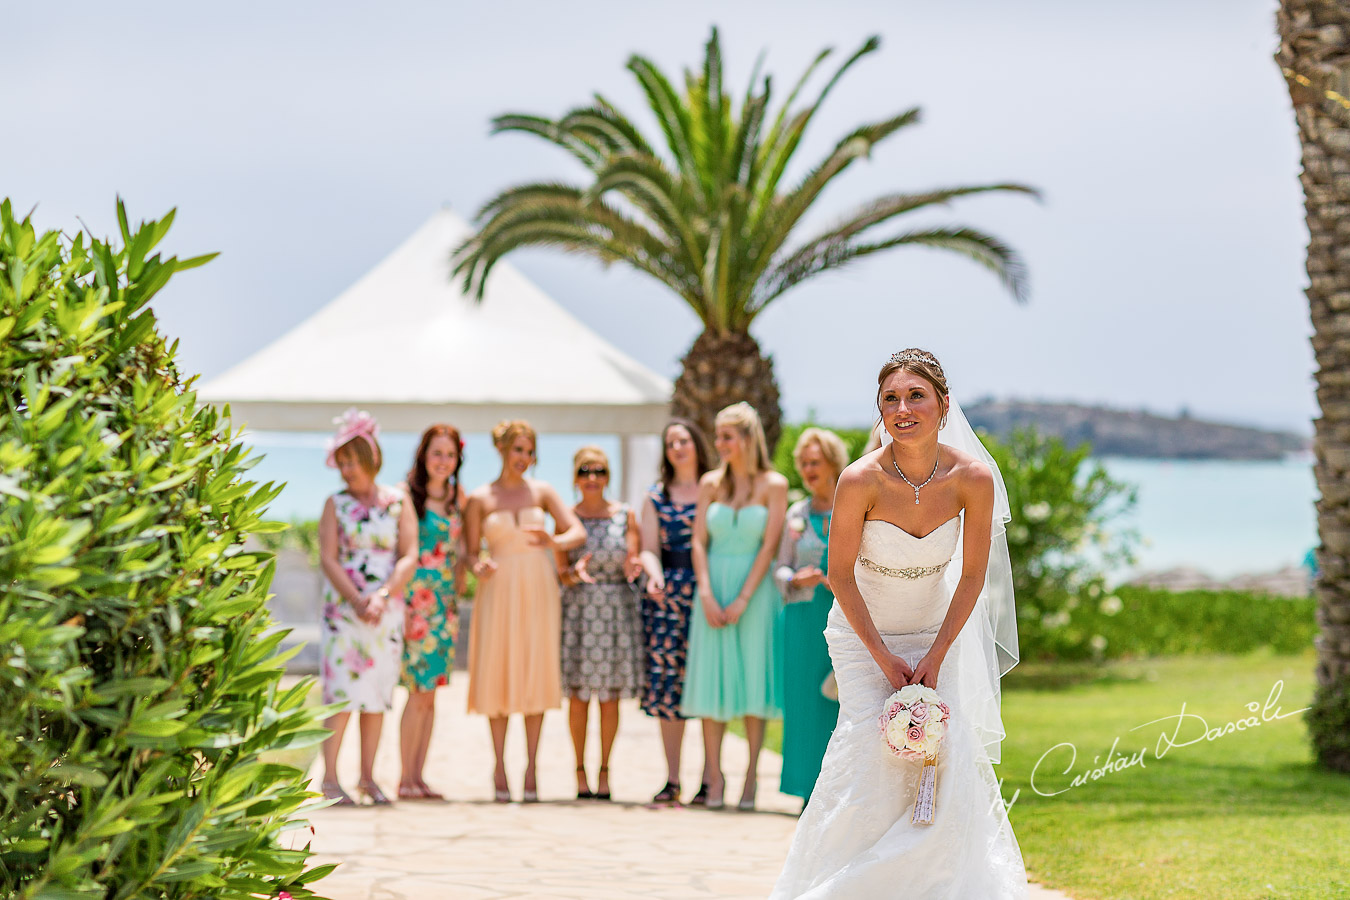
(722, 369)
(1315, 56)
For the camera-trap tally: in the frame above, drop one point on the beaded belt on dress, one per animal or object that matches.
(915, 572)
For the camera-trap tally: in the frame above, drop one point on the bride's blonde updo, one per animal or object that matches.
(921, 363)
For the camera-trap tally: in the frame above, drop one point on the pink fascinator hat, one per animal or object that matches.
(352, 424)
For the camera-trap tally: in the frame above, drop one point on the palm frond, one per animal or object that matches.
(984, 249)
(646, 183)
(883, 209)
(773, 225)
(703, 207)
(671, 115)
(780, 150)
(589, 154)
(554, 210)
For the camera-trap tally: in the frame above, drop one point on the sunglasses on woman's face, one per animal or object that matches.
(597, 471)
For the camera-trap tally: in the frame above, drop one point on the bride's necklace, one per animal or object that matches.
(910, 483)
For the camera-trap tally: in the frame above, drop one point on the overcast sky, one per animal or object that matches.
(306, 140)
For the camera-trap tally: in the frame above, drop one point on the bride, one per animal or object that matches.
(924, 596)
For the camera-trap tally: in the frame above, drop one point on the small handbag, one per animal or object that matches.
(829, 688)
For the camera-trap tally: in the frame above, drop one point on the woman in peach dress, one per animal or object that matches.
(515, 635)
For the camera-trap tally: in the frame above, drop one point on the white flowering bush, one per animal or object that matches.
(1062, 542)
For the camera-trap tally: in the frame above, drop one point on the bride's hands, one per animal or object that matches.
(896, 670)
(926, 672)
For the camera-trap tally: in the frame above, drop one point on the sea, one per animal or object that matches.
(1222, 517)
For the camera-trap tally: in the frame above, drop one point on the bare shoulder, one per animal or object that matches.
(775, 481)
(865, 471)
(708, 484)
(971, 473)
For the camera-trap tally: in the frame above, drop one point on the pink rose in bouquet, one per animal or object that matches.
(913, 722)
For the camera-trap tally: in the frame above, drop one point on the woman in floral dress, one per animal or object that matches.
(667, 526)
(431, 617)
(602, 656)
(368, 551)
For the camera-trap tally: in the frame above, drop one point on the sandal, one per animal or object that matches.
(333, 791)
(429, 793)
(372, 792)
(668, 794)
(603, 795)
(701, 798)
(584, 793)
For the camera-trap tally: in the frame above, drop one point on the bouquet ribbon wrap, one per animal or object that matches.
(923, 802)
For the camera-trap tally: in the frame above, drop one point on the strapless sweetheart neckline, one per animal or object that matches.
(915, 536)
(513, 513)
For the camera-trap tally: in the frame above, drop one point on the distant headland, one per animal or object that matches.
(1119, 432)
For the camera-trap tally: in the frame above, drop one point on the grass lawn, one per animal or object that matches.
(1242, 816)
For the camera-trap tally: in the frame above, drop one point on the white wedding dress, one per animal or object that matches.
(854, 838)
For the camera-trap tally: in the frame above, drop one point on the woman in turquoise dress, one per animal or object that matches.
(810, 701)
(431, 617)
(731, 671)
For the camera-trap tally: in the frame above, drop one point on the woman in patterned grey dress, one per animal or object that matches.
(602, 649)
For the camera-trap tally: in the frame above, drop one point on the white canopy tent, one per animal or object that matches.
(405, 343)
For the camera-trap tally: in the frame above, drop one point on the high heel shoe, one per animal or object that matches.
(716, 801)
(603, 795)
(670, 794)
(747, 803)
(500, 794)
(529, 795)
(372, 792)
(584, 793)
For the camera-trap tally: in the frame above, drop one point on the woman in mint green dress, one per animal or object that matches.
(432, 607)
(731, 671)
(810, 702)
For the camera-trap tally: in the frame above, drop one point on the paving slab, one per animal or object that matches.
(472, 848)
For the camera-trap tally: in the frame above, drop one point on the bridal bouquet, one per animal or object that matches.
(913, 723)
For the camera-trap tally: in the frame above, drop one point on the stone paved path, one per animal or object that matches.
(470, 847)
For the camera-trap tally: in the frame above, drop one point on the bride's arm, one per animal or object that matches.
(852, 499)
(977, 493)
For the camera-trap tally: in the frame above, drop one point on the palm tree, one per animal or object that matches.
(709, 214)
(1315, 57)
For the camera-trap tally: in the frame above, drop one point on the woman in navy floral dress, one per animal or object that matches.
(667, 523)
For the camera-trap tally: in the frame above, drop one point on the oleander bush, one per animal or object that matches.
(1063, 540)
(140, 681)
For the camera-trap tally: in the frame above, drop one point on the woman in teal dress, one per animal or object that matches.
(431, 613)
(810, 703)
(731, 671)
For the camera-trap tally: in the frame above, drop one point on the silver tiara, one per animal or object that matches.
(905, 356)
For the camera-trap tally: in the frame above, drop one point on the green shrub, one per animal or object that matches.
(140, 682)
(1060, 543)
(1153, 622)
